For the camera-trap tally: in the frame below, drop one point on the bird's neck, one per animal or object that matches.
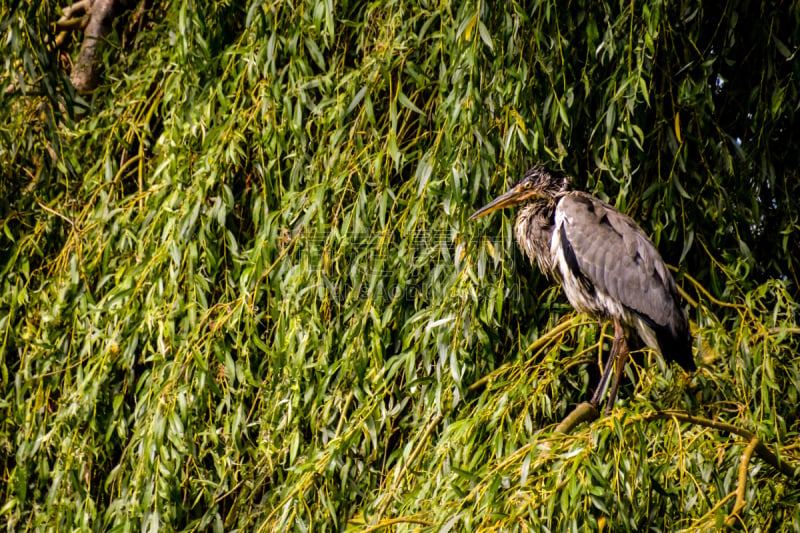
(533, 230)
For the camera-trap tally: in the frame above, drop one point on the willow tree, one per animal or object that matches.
(239, 289)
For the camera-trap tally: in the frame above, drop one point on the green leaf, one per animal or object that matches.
(405, 102)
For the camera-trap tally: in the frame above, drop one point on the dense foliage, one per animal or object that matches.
(239, 289)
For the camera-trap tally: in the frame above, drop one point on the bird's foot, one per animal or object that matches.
(619, 363)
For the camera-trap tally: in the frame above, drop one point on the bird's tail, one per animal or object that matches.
(677, 346)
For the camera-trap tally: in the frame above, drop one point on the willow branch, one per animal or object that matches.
(702, 290)
(742, 484)
(584, 412)
(400, 520)
(67, 25)
(411, 458)
(760, 448)
(574, 322)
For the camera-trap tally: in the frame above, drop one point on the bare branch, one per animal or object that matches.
(78, 8)
(584, 412)
(742, 484)
(72, 24)
(84, 73)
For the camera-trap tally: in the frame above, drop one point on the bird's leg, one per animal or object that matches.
(602, 385)
(621, 359)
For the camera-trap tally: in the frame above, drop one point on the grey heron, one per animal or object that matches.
(607, 266)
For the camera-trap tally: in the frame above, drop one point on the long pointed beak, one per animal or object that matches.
(508, 199)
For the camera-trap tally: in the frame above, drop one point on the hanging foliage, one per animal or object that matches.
(240, 291)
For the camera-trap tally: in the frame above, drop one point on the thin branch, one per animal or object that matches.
(774, 331)
(742, 484)
(411, 458)
(399, 520)
(585, 412)
(704, 292)
(685, 296)
(302, 485)
(574, 322)
(54, 212)
(761, 449)
(681, 291)
(76, 23)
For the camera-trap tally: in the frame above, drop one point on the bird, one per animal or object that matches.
(607, 266)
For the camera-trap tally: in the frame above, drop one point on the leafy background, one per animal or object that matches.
(239, 290)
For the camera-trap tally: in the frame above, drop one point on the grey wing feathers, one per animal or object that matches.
(618, 258)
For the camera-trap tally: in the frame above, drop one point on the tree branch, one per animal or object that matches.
(84, 73)
(742, 484)
(411, 458)
(584, 412)
(74, 17)
(760, 448)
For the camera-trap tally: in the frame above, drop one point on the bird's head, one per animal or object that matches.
(536, 184)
